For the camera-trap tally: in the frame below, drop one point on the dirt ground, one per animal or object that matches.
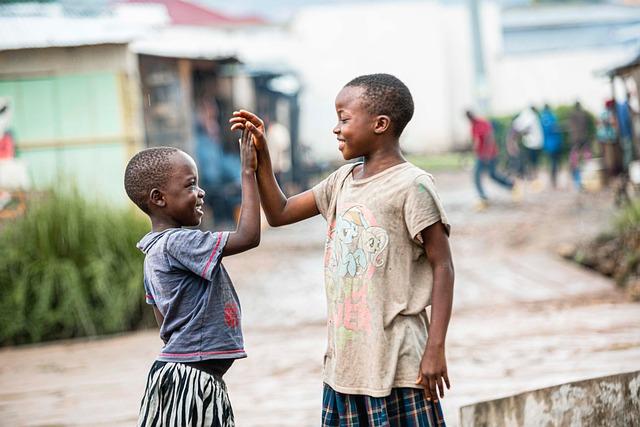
(523, 319)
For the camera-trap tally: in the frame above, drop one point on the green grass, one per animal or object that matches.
(441, 162)
(70, 268)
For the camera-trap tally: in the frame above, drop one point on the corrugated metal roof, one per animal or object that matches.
(184, 12)
(52, 25)
(39, 32)
(266, 47)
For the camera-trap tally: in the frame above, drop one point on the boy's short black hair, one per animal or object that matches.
(386, 95)
(146, 170)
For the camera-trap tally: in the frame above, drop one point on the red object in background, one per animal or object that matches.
(6, 146)
(483, 143)
(184, 12)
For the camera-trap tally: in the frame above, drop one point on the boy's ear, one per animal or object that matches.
(381, 124)
(156, 197)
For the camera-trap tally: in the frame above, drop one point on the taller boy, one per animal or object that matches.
(387, 258)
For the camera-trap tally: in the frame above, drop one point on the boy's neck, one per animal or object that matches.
(385, 157)
(159, 224)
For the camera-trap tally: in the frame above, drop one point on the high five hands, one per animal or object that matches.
(244, 119)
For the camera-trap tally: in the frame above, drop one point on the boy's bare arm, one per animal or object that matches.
(158, 316)
(278, 209)
(247, 234)
(433, 367)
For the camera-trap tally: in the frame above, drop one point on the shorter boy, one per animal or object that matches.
(387, 258)
(192, 296)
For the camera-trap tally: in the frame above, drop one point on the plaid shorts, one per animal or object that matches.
(404, 407)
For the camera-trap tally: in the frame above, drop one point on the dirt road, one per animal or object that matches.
(523, 319)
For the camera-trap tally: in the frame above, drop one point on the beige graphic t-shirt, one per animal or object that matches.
(378, 280)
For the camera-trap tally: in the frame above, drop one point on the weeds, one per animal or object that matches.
(70, 268)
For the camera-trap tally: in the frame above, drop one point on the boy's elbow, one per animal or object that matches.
(274, 222)
(254, 242)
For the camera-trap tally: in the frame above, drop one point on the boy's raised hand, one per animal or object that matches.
(245, 119)
(248, 158)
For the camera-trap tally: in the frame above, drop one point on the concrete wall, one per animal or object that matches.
(607, 401)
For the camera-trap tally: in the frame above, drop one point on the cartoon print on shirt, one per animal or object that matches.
(356, 249)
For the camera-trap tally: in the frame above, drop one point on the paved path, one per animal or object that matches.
(523, 319)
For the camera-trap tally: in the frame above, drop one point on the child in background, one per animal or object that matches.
(189, 289)
(387, 258)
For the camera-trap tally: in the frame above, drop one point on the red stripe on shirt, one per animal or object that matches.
(206, 267)
(201, 353)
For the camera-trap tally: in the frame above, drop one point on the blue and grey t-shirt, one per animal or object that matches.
(185, 280)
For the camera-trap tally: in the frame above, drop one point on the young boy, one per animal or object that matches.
(189, 289)
(387, 258)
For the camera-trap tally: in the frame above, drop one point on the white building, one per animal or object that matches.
(531, 55)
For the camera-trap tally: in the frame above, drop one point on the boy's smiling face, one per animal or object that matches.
(182, 199)
(355, 126)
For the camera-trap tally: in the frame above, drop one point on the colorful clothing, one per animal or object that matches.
(185, 279)
(404, 407)
(528, 125)
(179, 395)
(377, 277)
(7, 150)
(551, 130)
(484, 144)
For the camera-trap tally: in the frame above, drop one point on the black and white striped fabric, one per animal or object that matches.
(178, 395)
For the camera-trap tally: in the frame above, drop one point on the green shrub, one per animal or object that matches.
(629, 218)
(70, 268)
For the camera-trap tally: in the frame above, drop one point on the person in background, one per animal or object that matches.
(528, 125)
(580, 144)
(220, 171)
(625, 130)
(7, 146)
(606, 136)
(552, 141)
(486, 152)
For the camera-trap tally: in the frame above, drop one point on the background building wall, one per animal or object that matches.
(425, 44)
(75, 114)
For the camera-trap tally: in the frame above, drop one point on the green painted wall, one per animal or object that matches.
(71, 126)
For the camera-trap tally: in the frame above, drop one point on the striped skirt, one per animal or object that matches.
(181, 396)
(404, 407)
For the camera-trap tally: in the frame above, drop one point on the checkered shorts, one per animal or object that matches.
(404, 407)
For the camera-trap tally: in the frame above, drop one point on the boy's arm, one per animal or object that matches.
(278, 209)
(247, 234)
(433, 367)
(159, 320)
(158, 316)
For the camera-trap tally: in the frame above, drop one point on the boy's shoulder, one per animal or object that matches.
(412, 174)
(161, 240)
